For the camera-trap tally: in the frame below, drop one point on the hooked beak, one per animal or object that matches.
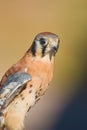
(55, 47)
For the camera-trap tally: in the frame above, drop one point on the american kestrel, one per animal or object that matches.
(27, 80)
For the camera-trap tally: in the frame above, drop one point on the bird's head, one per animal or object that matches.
(45, 43)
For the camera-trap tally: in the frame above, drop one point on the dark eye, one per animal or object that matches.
(42, 41)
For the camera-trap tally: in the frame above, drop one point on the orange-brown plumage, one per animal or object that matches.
(38, 62)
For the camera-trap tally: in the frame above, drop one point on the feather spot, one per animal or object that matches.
(40, 89)
(21, 95)
(28, 109)
(30, 91)
(31, 85)
(22, 98)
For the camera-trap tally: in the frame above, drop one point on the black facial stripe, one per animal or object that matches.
(43, 50)
(33, 48)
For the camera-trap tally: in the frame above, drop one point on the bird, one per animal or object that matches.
(26, 81)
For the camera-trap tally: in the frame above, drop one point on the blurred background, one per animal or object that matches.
(64, 107)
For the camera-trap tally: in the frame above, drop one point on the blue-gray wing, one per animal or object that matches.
(14, 84)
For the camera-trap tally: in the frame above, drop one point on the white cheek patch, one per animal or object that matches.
(38, 49)
(38, 45)
(47, 49)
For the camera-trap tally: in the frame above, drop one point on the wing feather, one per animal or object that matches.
(13, 85)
